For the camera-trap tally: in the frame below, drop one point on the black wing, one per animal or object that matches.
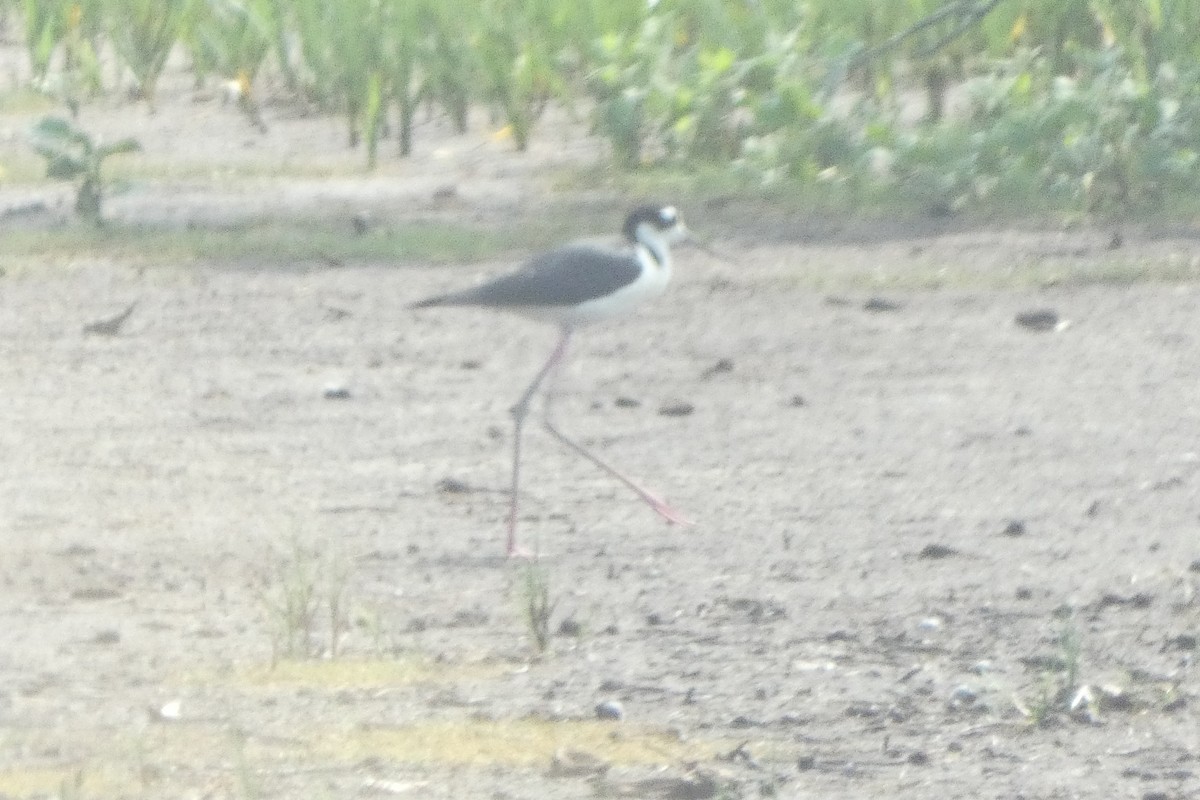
(563, 277)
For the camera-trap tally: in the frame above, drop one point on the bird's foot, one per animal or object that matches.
(520, 552)
(514, 550)
(665, 511)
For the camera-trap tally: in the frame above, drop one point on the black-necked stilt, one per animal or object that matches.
(573, 286)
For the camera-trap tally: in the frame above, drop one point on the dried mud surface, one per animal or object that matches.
(922, 530)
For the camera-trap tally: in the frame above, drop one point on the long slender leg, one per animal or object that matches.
(519, 412)
(659, 506)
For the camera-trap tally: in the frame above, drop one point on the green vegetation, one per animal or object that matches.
(306, 602)
(73, 155)
(144, 32)
(536, 606)
(1060, 690)
(1085, 105)
(299, 242)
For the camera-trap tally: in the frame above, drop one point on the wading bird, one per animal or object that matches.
(573, 286)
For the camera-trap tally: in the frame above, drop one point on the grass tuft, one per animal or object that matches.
(536, 606)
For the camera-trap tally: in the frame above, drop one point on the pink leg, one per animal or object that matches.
(660, 507)
(519, 412)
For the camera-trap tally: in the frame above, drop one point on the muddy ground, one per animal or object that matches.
(935, 554)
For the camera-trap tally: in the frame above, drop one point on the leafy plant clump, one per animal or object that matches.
(957, 108)
(952, 104)
(72, 154)
(1097, 140)
(537, 606)
(1060, 691)
(305, 596)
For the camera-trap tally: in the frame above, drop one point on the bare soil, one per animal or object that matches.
(935, 554)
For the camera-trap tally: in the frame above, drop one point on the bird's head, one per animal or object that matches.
(655, 223)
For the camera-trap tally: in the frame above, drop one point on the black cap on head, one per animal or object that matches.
(660, 217)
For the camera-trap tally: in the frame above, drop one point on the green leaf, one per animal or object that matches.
(64, 167)
(717, 61)
(373, 115)
(127, 145)
(60, 133)
(53, 128)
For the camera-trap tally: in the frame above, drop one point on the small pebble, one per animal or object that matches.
(453, 486)
(1014, 527)
(336, 392)
(626, 402)
(937, 551)
(1184, 641)
(963, 696)
(109, 636)
(878, 304)
(610, 709)
(742, 721)
(172, 710)
(1082, 700)
(1042, 319)
(680, 409)
(723, 365)
(1115, 698)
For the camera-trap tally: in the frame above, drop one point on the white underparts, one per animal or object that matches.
(655, 262)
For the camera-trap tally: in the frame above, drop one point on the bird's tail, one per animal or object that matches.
(431, 302)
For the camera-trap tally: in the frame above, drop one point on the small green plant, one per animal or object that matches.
(72, 154)
(518, 46)
(345, 48)
(450, 65)
(1040, 709)
(233, 38)
(1070, 647)
(1059, 688)
(537, 606)
(143, 32)
(305, 598)
(64, 32)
